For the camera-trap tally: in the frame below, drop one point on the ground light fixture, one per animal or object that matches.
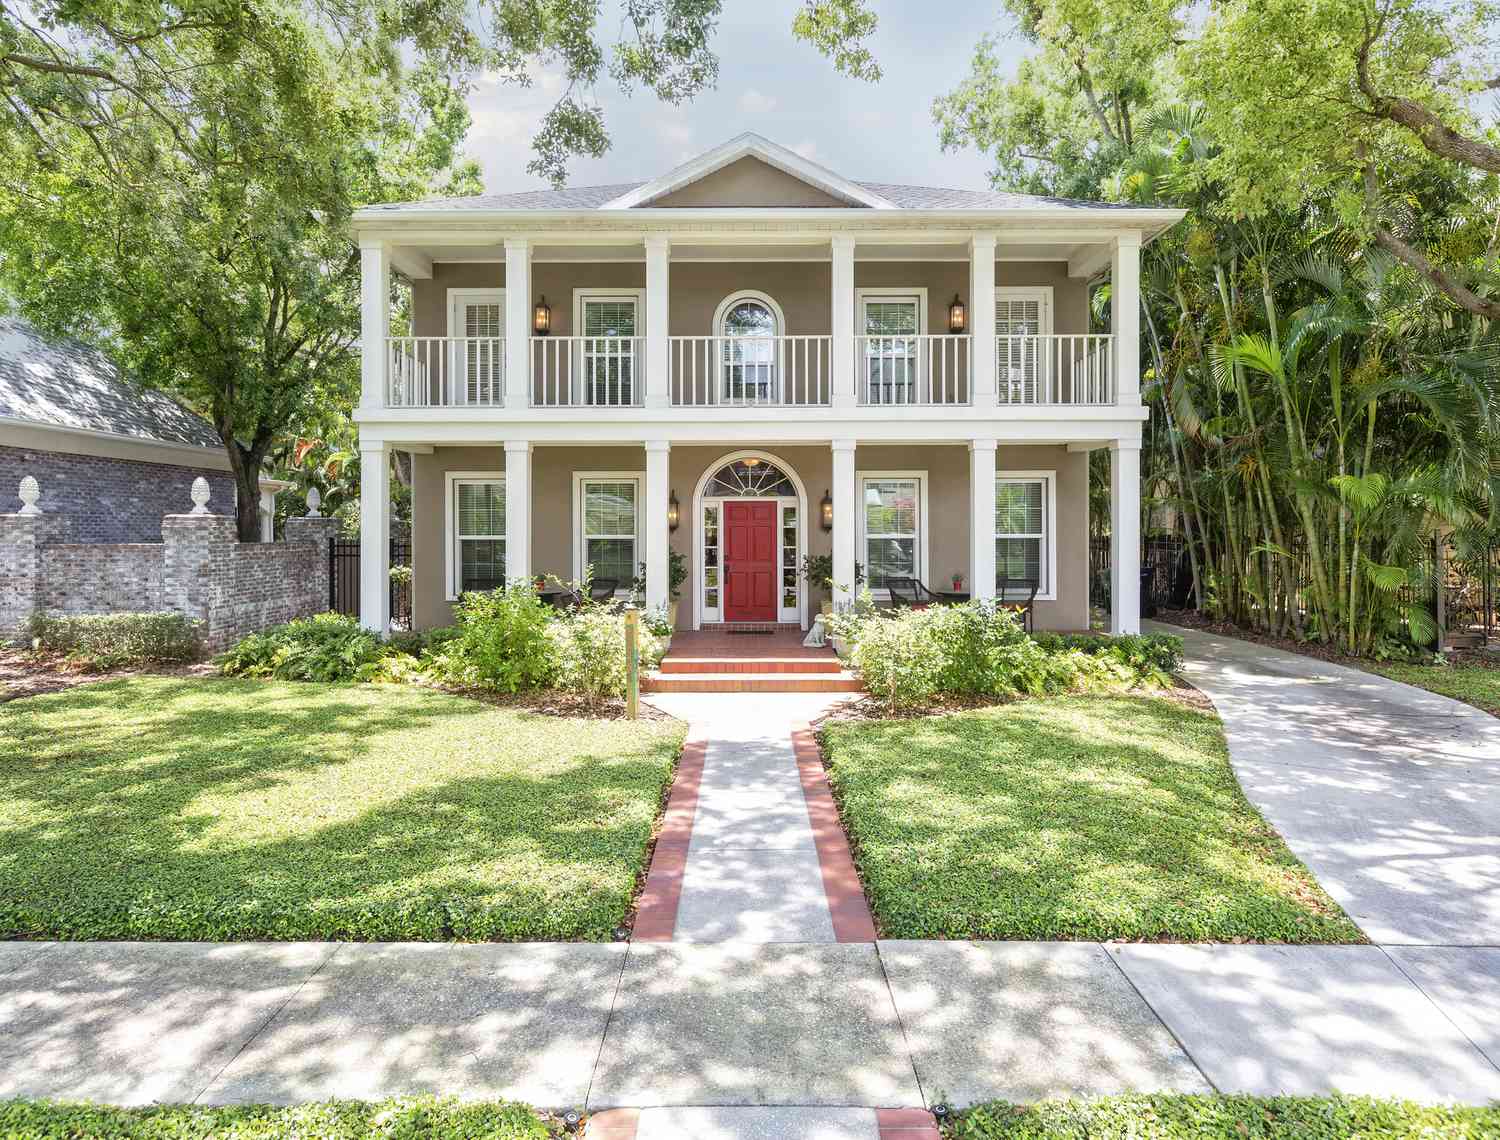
(826, 511)
(674, 511)
(541, 318)
(958, 316)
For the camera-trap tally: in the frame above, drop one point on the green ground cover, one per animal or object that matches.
(1082, 817)
(1477, 685)
(173, 807)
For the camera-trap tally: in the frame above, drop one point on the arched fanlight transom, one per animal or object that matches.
(750, 478)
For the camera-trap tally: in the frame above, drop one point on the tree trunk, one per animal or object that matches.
(246, 469)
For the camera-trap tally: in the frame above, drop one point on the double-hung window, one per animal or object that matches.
(477, 319)
(1023, 509)
(476, 506)
(1023, 319)
(609, 350)
(892, 323)
(610, 517)
(891, 506)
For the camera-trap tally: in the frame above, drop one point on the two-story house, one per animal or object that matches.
(747, 360)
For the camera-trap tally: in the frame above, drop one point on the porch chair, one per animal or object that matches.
(1018, 594)
(910, 592)
(603, 589)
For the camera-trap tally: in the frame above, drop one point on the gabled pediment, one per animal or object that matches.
(750, 172)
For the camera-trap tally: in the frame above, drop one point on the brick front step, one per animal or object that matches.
(671, 664)
(746, 682)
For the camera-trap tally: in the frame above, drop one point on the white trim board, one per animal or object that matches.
(450, 532)
(1049, 522)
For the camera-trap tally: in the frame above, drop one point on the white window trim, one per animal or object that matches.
(890, 293)
(924, 531)
(1049, 523)
(608, 293)
(451, 565)
(458, 297)
(1042, 294)
(778, 365)
(579, 479)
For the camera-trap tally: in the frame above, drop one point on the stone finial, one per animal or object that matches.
(200, 496)
(30, 492)
(314, 501)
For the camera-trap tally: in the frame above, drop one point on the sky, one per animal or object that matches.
(774, 85)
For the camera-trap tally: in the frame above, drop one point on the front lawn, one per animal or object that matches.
(169, 807)
(1072, 818)
(417, 1118)
(1477, 685)
(1183, 1117)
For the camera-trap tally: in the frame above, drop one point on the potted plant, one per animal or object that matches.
(958, 582)
(659, 623)
(676, 575)
(817, 572)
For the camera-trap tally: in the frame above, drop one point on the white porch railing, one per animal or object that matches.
(1059, 369)
(928, 369)
(588, 371)
(751, 371)
(445, 372)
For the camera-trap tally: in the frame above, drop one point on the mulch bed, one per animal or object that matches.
(27, 674)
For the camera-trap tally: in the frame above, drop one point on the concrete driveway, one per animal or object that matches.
(1391, 794)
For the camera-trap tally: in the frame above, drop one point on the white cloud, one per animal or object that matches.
(754, 102)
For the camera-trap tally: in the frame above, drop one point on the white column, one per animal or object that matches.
(1125, 536)
(374, 322)
(658, 321)
(844, 372)
(268, 514)
(982, 318)
(375, 538)
(517, 323)
(1125, 316)
(517, 510)
(982, 518)
(657, 531)
(845, 516)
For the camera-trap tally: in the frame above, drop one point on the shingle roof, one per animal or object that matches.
(66, 383)
(903, 197)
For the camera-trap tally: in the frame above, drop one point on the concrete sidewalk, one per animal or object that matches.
(1389, 793)
(837, 1026)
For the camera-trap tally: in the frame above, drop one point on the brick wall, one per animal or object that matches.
(102, 578)
(107, 500)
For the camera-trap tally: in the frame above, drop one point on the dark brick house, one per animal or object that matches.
(111, 455)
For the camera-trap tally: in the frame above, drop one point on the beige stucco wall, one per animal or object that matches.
(947, 469)
(748, 182)
(803, 289)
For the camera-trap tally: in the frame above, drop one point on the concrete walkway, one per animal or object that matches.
(1391, 794)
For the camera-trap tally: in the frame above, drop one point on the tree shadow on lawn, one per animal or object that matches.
(1069, 818)
(172, 831)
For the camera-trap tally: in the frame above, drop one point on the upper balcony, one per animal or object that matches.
(744, 371)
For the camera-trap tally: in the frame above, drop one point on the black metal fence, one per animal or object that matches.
(343, 579)
(1166, 574)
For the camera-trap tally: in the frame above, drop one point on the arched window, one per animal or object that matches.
(749, 325)
(749, 478)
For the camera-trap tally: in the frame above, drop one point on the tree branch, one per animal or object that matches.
(1451, 287)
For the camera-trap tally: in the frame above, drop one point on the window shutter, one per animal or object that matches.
(484, 351)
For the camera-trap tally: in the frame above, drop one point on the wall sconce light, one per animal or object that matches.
(674, 512)
(541, 320)
(958, 316)
(826, 509)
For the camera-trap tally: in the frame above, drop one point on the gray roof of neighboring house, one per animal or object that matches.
(64, 383)
(903, 197)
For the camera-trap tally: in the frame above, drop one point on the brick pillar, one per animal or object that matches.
(314, 530)
(22, 537)
(196, 568)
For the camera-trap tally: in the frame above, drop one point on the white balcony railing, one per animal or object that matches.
(751, 371)
(1064, 369)
(588, 371)
(928, 369)
(445, 372)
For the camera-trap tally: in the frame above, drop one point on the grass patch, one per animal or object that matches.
(1169, 1117)
(1477, 685)
(411, 1119)
(1071, 818)
(180, 808)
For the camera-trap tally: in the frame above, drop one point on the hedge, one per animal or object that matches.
(113, 640)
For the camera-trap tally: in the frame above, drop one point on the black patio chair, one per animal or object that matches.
(603, 589)
(1018, 594)
(906, 591)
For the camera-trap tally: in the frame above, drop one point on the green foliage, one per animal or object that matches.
(1074, 817)
(589, 650)
(909, 658)
(324, 647)
(839, 29)
(1475, 683)
(1176, 1116)
(502, 641)
(409, 1118)
(269, 810)
(817, 570)
(109, 641)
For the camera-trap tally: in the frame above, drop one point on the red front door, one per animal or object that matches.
(749, 561)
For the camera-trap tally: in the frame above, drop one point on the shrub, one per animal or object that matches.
(324, 647)
(1146, 653)
(107, 641)
(898, 658)
(589, 648)
(501, 641)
